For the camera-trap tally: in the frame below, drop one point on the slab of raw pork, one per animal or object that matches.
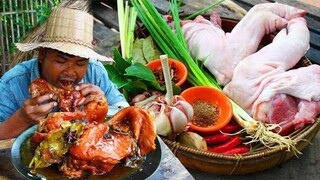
(220, 51)
(290, 99)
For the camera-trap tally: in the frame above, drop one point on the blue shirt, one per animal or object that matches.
(14, 85)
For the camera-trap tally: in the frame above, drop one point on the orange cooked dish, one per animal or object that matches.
(87, 143)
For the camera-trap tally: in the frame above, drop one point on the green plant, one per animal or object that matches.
(133, 78)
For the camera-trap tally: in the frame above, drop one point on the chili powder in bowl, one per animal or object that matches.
(212, 108)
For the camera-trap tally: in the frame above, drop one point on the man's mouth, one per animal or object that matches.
(66, 84)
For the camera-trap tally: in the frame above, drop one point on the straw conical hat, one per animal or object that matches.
(69, 31)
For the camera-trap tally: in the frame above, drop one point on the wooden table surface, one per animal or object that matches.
(308, 164)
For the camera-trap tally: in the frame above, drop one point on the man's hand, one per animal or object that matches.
(90, 92)
(34, 109)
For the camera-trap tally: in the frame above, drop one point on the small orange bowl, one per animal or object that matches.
(214, 97)
(181, 71)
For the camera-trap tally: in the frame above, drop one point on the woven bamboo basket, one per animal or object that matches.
(256, 160)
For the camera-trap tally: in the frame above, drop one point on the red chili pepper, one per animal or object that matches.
(230, 128)
(216, 139)
(233, 142)
(237, 150)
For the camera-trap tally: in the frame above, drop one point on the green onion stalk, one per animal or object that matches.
(172, 42)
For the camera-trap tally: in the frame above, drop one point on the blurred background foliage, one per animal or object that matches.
(18, 17)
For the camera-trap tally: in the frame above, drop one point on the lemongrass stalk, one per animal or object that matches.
(167, 78)
(130, 31)
(146, 101)
(120, 9)
(125, 30)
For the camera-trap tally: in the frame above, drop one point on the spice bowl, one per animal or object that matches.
(178, 71)
(212, 108)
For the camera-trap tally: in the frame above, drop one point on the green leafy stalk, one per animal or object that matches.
(204, 9)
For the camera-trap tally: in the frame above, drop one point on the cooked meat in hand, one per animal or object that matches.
(68, 99)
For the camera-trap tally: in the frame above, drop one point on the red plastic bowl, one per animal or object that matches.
(212, 96)
(181, 69)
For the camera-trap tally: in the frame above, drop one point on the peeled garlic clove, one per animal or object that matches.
(186, 108)
(163, 126)
(178, 120)
(193, 140)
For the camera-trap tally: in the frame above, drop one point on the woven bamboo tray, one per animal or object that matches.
(257, 160)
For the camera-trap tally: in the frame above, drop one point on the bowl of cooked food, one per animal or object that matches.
(84, 144)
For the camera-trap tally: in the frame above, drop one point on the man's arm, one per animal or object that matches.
(28, 114)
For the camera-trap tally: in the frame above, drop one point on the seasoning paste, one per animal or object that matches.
(158, 73)
(205, 114)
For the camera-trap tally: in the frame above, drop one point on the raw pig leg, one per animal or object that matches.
(251, 75)
(222, 52)
(264, 87)
(260, 20)
(208, 43)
